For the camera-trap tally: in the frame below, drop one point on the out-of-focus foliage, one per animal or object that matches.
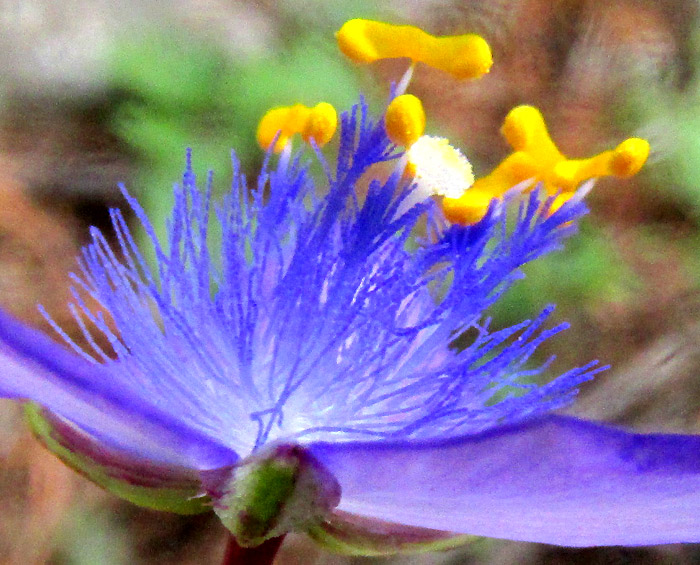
(178, 90)
(668, 113)
(587, 274)
(90, 538)
(187, 94)
(670, 116)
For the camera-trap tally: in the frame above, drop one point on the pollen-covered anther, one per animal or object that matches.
(525, 130)
(624, 161)
(321, 124)
(467, 209)
(318, 123)
(536, 159)
(629, 157)
(462, 56)
(405, 120)
(438, 168)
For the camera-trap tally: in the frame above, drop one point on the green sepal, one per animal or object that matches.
(348, 534)
(170, 490)
(278, 490)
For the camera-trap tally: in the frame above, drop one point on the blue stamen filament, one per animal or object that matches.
(323, 315)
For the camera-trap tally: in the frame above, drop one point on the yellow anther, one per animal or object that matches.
(473, 204)
(468, 209)
(525, 130)
(514, 169)
(405, 120)
(438, 168)
(623, 161)
(629, 157)
(462, 56)
(321, 124)
(318, 123)
(559, 201)
(536, 158)
(274, 121)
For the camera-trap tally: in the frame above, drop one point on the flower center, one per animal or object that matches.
(438, 167)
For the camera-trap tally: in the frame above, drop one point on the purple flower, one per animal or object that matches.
(293, 361)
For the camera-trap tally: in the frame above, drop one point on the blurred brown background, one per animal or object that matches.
(82, 106)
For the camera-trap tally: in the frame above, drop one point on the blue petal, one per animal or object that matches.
(306, 317)
(552, 480)
(315, 316)
(33, 367)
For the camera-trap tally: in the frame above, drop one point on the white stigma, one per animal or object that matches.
(439, 168)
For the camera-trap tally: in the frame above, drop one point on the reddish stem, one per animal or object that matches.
(264, 554)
